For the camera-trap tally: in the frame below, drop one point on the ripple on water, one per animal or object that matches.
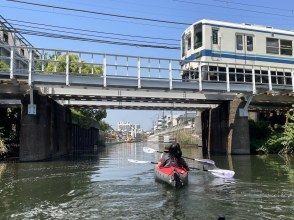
(112, 188)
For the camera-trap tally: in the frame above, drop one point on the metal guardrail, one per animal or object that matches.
(70, 65)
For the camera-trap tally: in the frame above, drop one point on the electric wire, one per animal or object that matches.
(88, 17)
(92, 31)
(18, 27)
(253, 5)
(232, 8)
(70, 37)
(99, 13)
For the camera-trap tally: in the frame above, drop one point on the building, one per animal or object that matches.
(10, 37)
(129, 131)
(171, 121)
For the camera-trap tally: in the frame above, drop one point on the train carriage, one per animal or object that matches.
(237, 53)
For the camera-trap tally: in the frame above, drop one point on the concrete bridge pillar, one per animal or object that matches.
(44, 135)
(225, 130)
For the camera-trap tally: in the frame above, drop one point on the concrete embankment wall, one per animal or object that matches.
(85, 141)
(50, 133)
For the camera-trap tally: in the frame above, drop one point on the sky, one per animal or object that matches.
(278, 14)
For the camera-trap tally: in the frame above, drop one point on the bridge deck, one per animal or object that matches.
(121, 78)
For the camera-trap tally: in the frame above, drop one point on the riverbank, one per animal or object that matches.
(270, 138)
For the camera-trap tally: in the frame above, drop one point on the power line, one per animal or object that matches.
(89, 35)
(93, 31)
(100, 13)
(88, 17)
(253, 5)
(232, 8)
(70, 37)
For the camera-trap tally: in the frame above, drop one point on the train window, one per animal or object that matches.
(249, 43)
(215, 36)
(286, 47)
(197, 36)
(239, 42)
(189, 41)
(272, 45)
(183, 46)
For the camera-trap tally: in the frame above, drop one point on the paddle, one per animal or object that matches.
(140, 161)
(216, 172)
(205, 161)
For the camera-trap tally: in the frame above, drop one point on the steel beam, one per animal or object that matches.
(115, 92)
(136, 105)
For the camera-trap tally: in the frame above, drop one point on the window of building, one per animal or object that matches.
(22, 51)
(286, 47)
(5, 37)
(197, 36)
(188, 41)
(214, 36)
(183, 46)
(272, 45)
(249, 42)
(239, 42)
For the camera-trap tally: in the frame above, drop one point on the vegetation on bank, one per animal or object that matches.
(3, 149)
(84, 117)
(87, 118)
(186, 138)
(3, 65)
(272, 138)
(75, 65)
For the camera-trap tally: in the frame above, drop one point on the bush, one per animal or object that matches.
(3, 149)
(281, 141)
(3, 66)
(74, 65)
(185, 138)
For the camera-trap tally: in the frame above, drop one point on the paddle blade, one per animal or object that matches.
(207, 161)
(149, 150)
(138, 161)
(222, 173)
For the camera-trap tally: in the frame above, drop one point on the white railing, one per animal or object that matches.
(76, 63)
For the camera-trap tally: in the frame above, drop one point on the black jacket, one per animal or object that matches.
(175, 151)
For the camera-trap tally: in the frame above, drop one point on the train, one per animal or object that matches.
(219, 49)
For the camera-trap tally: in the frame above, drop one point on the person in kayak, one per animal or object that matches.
(166, 159)
(176, 152)
(172, 156)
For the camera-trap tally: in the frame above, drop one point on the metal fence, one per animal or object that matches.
(27, 62)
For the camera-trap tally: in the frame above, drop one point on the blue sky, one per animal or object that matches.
(274, 13)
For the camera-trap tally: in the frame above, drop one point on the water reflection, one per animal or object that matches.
(109, 187)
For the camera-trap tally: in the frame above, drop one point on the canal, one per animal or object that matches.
(109, 187)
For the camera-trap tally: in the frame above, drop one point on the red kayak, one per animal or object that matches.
(174, 176)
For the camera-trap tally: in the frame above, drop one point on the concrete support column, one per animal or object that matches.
(46, 134)
(218, 129)
(238, 136)
(224, 131)
(35, 131)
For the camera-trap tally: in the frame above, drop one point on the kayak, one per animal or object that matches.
(174, 176)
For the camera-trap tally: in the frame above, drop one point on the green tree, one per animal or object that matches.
(74, 67)
(90, 117)
(3, 65)
(281, 142)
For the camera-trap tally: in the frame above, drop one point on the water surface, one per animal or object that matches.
(109, 187)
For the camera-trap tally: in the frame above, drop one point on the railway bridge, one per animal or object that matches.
(41, 80)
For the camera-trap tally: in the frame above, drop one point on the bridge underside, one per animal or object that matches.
(122, 98)
(225, 130)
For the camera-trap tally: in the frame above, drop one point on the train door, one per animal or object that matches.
(216, 46)
(245, 49)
